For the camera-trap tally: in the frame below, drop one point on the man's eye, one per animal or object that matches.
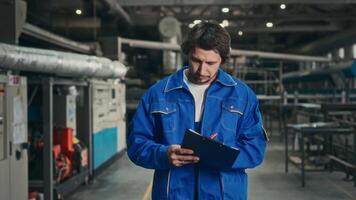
(210, 63)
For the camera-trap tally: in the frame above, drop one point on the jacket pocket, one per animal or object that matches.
(234, 184)
(165, 115)
(232, 111)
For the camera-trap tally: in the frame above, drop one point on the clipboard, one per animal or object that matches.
(212, 153)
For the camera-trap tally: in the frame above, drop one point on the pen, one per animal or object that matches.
(212, 136)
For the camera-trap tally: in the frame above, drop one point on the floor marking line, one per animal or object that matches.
(147, 194)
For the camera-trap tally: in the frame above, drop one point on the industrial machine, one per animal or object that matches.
(13, 138)
(109, 121)
(68, 119)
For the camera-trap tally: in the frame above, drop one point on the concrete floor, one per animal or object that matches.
(270, 182)
(123, 180)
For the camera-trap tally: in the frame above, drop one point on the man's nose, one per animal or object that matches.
(202, 68)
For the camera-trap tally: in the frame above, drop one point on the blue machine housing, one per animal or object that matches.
(104, 146)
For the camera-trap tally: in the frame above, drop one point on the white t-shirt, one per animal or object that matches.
(198, 92)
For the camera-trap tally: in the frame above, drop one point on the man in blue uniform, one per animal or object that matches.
(205, 98)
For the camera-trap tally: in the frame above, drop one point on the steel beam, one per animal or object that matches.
(47, 112)
(225, 2)
(52, 38)
(12, 18)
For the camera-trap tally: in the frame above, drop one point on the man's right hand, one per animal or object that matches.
(179, 156)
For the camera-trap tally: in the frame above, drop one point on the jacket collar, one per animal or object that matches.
(225, 78)
(175, 81)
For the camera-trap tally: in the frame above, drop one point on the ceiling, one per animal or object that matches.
(303, 26)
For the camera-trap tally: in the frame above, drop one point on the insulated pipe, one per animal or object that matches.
(59, 63)
(234, 52)
(150, 44)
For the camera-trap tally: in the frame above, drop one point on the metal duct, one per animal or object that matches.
(59, 63)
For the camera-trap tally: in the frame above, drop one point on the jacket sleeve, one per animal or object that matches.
(251, 139)
(143, 150)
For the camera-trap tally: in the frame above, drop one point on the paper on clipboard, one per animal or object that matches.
(18, 124)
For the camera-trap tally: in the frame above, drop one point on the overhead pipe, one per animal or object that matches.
(52, 38)
(234, 52)
(116, 8)
(281, 56)
(150, 44)
(59, 63)
(329, 43)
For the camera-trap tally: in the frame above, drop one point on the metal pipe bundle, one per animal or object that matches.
(59, 63)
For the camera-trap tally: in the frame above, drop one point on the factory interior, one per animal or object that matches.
(72, 73)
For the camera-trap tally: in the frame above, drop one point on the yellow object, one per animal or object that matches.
(75, 140)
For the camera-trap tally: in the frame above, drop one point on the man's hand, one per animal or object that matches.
(179, 156)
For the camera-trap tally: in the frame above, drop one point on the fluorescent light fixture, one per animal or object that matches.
(269, 24)
(78, 12)
(240, 33)
(225, 10)
(283, 6)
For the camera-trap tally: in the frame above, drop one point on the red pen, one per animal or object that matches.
(212, 136)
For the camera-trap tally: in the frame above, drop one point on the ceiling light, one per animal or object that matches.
(283, 6)
(225, 23)
(225, 10)
(240, 33)
(78, 12)
(269, 24)
(197, 21)
(191, 25)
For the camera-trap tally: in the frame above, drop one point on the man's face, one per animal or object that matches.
(204, 65)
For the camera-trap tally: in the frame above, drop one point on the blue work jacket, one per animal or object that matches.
(164, 113)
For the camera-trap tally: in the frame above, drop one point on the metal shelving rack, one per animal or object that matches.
(50, 188)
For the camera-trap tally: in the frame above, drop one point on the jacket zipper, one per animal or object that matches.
(168, 181)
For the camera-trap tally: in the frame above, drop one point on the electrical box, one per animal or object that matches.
(64, 112)
(13, 138)
(109, 121)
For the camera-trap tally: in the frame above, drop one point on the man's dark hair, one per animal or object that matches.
(208, 36)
